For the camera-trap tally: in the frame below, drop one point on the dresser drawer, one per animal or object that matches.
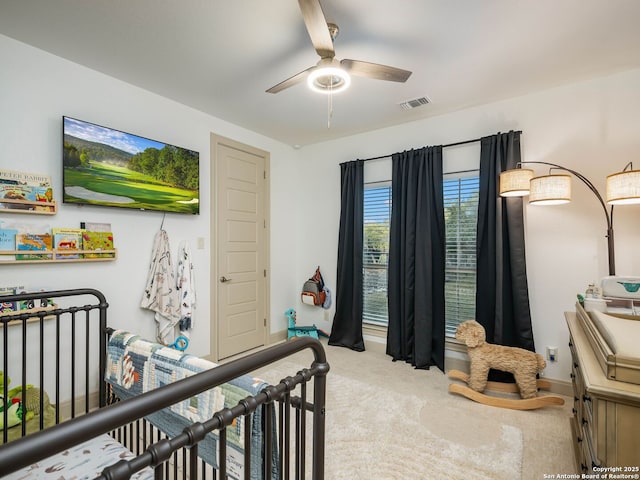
(576, 431)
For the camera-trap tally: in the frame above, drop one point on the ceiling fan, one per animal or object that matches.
(330, 75)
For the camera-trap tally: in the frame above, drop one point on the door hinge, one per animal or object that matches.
(264, 174)
(265, 273)
(265, 322)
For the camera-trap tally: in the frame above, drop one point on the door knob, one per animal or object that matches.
(224, 279)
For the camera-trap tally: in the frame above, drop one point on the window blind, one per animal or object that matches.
(461, 219)
(377, 215)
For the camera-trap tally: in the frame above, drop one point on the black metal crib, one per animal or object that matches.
(56, 345)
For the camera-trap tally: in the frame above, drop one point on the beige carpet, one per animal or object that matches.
(386, 420)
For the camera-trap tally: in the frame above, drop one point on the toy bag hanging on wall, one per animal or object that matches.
(313, 290)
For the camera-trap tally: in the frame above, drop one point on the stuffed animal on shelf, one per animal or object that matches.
(523, 364)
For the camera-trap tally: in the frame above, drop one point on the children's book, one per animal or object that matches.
(19, 187)
(24, 178)
(33, 242)
(14, 196)
(34, 303)
(7, 243)
(67, 239)
(17, 192)
(97, 241)
(6, 307)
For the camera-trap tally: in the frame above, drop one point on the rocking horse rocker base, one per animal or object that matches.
(500, 387)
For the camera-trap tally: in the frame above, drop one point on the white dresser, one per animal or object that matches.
(606, 420)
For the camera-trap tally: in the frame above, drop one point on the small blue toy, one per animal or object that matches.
(294, 331)
(181, 343)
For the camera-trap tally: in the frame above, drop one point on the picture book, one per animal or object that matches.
(28, 304)
(96, 241)
(15, 194)
(6, 307)
(7, 243)
(26, 192)
(24, 178)
(67, 239)
(33, 242)
(34, 303)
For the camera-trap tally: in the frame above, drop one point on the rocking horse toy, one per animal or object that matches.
(523, 364)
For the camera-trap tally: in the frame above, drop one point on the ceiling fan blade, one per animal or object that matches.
(375, 70)
(291, 81)
(317, 27)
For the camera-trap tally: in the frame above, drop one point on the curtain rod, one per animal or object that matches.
(464, 142)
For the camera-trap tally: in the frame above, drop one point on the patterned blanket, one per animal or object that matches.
(82, 462)
(135, 366)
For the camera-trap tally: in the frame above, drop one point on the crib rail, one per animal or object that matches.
(67, 434)
(50, 344)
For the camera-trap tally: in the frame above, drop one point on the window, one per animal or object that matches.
(377, 215)
(461, 220)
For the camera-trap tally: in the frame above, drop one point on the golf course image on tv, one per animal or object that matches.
(107, 167)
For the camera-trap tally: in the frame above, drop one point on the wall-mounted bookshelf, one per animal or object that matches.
(58, 256)
(28, 207)
(35, 318)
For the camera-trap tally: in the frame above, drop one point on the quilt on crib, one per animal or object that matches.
(135, 366)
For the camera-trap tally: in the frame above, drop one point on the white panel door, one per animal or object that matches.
(241, 239)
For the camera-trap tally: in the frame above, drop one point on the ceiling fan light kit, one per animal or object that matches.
(328, 80)
(330, 75)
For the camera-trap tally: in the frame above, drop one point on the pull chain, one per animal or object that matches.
(329, 106)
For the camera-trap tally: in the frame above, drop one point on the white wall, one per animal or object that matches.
(591, 127)
(36, 90)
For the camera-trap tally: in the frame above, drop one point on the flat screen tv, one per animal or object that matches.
(107, 167)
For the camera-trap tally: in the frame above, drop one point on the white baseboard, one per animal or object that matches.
(456, 360)
(277, 337)
(65, 407)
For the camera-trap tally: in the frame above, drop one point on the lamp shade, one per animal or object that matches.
(515, 183)
(623, 188)
(550, 190)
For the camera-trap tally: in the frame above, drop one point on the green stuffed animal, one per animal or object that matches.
(16, 409)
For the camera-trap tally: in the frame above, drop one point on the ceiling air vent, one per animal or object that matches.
(416, 102)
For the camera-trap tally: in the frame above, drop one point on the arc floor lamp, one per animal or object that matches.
(623, 188)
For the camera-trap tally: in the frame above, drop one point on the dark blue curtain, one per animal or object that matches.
(502, 298)
(346, 330)
(416, 332)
